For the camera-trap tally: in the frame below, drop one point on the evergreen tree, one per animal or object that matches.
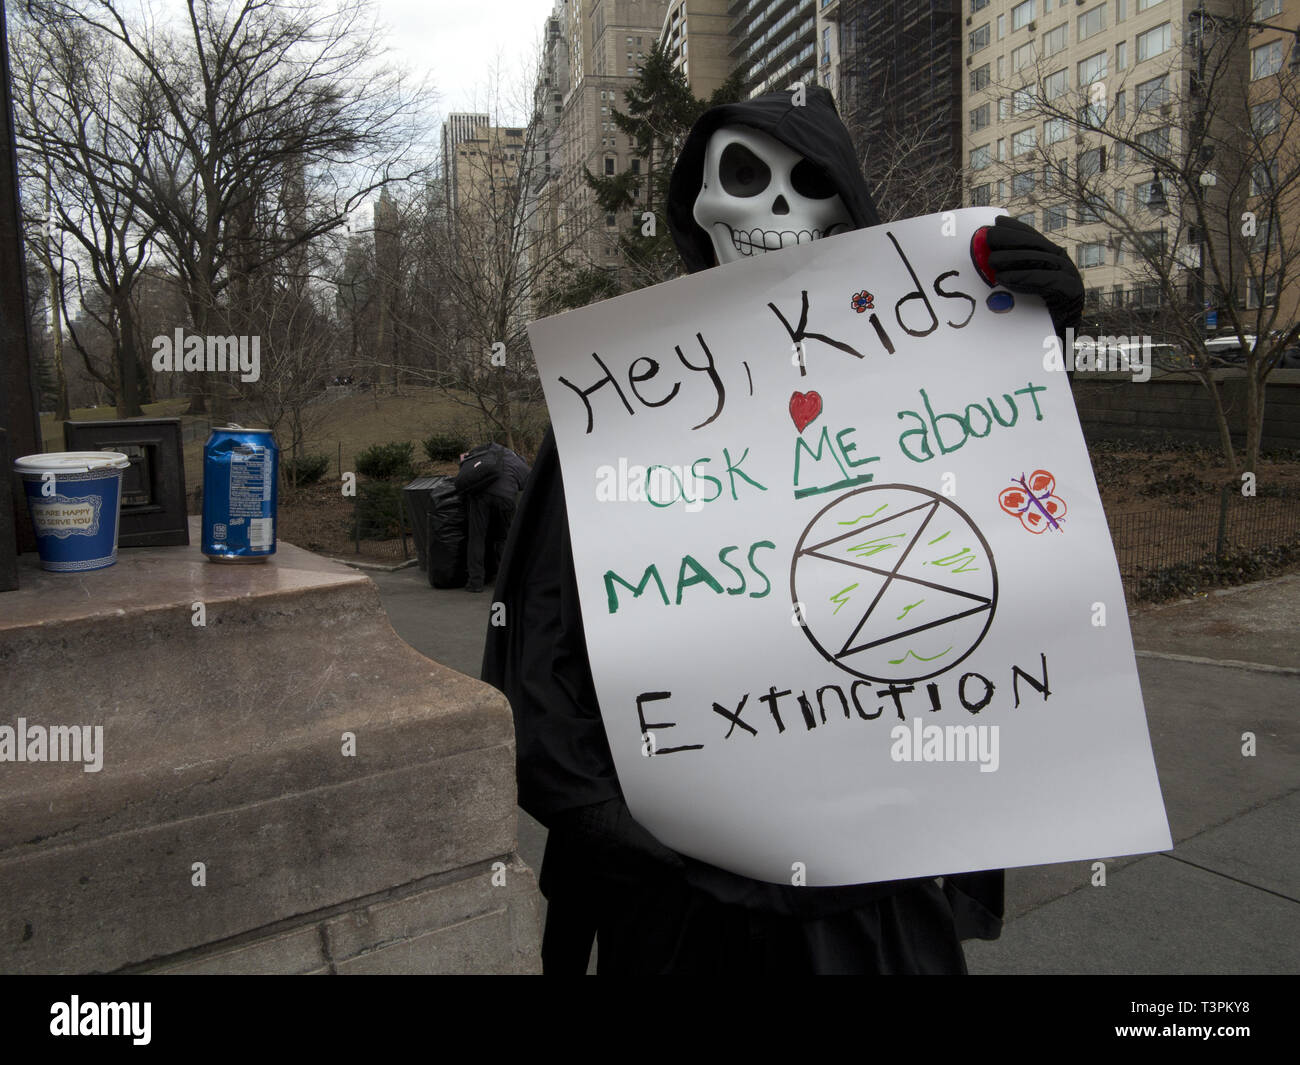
(581, 287)
(660, 112)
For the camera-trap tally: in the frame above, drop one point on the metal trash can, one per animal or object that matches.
(439, 522)
(416, 495)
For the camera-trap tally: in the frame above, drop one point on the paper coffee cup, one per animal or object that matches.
(74, 499)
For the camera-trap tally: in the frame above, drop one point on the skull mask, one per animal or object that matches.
(759, 196)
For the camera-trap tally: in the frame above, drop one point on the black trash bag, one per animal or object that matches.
(447, 536)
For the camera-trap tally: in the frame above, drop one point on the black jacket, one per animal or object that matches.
(513, 477)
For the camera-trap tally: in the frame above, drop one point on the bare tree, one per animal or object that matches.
(270, 122)
(488, 261)
(159, 309)
(50, 254)
(78, 112)
(904, 173)
(1191, 176)
(296, 341)
(467, 282)
(352, 276)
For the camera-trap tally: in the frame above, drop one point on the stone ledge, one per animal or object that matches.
(155, 578)
(223, 744)
(182, 708)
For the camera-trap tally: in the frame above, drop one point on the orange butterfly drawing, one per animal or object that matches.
(1034, 501)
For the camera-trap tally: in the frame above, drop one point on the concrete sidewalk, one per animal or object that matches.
(1225, 900)
(1257, 624)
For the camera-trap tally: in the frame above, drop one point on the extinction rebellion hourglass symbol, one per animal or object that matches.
(894, 583)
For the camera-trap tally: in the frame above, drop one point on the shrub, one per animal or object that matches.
(1271, 489)
(1175, 485)
(378, 510)
(528, 441)
(445, 447)
(306, 470)
(1237, 566)
(387, 462)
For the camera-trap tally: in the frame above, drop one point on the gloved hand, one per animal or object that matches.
(609, 826)
(1024, 260)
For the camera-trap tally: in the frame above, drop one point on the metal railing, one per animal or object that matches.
(1204, 532)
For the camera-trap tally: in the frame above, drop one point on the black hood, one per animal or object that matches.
(813, 129)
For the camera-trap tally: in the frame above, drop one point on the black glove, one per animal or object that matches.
(610, 828)
(1024, 260)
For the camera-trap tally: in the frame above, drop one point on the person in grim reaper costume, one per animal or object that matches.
(752, 177)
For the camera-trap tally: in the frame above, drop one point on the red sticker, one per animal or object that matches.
(979, 254)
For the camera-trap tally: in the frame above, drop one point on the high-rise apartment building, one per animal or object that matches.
(455, 130)
(484, 167)
(553, 84)
(1274, 94)
(696, 35)
(607, 40)
(1080, 54)
(774, 42)
(900, 94)
(543, 212)
(828, 46)
(1054, 90)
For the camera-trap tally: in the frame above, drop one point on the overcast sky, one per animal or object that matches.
(460, 43)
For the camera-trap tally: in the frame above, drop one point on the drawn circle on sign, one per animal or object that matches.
(912, 583)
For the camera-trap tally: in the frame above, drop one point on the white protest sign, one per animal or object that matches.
(849, 595)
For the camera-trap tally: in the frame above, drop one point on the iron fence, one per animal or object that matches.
(1202, 532)
(384, 511)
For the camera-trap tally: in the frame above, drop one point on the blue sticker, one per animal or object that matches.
(1001, 301)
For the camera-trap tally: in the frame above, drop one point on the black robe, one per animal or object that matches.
(655, 911)
(687, 916)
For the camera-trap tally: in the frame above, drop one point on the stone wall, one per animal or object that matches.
(1112, 406)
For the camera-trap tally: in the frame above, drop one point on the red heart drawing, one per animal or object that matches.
(804, 408)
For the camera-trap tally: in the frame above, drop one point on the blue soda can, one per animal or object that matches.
(241, 469)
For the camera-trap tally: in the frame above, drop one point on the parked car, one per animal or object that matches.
(1129, 354)
(1164, 357)
(1228, 348)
